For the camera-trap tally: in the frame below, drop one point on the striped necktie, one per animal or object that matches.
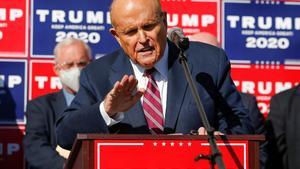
(152, 105)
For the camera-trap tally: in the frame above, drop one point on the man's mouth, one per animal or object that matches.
(146, 49)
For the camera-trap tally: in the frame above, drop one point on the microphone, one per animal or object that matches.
(176, 36)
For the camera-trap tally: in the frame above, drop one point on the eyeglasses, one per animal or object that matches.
(68, 65)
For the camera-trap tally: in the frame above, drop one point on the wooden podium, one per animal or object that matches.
(96, 151)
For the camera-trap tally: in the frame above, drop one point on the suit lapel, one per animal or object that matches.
(58, 103)
(177, 86)
(120, 68)
(295, 106)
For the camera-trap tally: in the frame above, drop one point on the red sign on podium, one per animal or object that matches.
(174, 154)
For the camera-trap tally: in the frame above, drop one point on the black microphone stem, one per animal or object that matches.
(216, 156)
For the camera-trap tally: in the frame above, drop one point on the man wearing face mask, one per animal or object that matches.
(71, 55)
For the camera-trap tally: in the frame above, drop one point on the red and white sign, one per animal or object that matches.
(11, 151)
(42, 79)
(193, 16)
(265, 80)
(147, 154)
(14, 28)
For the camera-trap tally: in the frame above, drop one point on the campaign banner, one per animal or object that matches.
(42, 79)
(261, 31)
(13, 91)
(265, 80)
(55, 20)
(11, 149)
(14, 28)
(193, 16)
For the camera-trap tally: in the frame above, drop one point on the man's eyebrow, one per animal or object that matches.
(148, 22)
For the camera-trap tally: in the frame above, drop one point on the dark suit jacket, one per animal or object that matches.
(206, 61)
(258, 123)
(284, 129)
(40, 139)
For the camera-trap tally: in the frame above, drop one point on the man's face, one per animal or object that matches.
(70, 56)
(140, 30)
(70, 59)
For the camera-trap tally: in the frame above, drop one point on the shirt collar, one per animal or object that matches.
(68, 96)
(162, 65)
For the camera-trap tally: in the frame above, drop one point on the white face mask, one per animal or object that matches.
(70, 78)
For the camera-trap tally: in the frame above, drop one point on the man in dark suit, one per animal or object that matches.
(40, 145)
(283, 129)
(112, 97)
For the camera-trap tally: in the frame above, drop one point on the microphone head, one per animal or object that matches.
(176, 36)
(173, 32)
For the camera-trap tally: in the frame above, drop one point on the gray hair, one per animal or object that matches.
(69, 41)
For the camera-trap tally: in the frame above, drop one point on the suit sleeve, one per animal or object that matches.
(233, 115)
(39, 152)
(255, 115)
(83, 116)
(277, 132)
(258, 122)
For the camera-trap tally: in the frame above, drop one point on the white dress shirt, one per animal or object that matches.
(161, 79)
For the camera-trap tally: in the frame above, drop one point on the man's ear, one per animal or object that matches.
(55, 69)
(165, 18)
(115, 34)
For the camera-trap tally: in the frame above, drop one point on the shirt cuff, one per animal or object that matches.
(108, 120)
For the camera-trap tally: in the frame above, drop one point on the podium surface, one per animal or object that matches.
(97, 151)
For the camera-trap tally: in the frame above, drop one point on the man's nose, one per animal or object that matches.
(142, 36)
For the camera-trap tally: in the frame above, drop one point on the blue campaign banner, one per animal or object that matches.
(54, 20)
(13, 87)
(261, 31)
